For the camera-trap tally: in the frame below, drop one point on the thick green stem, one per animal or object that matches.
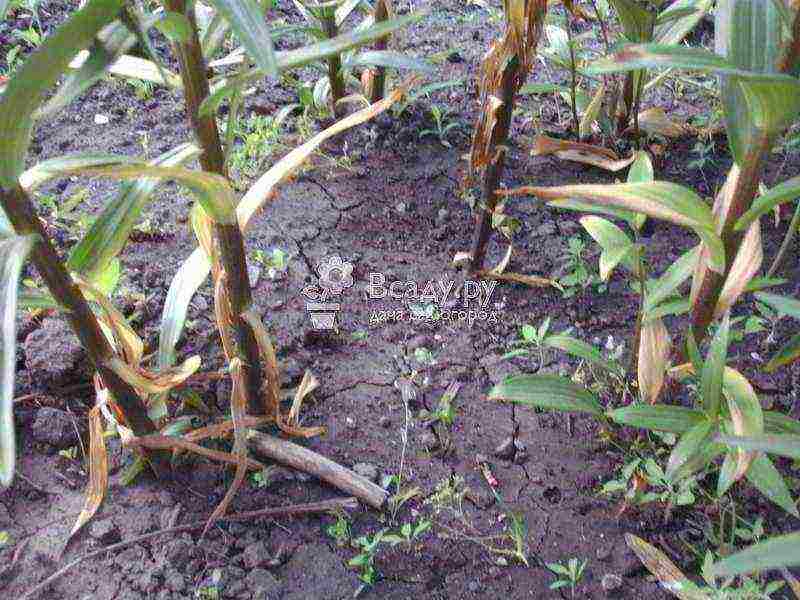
(19, 208)
(382, 11)
(229, 252)
(335, 77)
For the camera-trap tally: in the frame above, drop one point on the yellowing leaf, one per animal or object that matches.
(669, 576)
(147, 382)
(655, 121)
(654, 349)
(745, 266)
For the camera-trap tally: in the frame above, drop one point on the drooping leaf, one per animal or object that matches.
(111, 229)
(781, 444)
(777, 551)
(658, 199)
(658, 417)
(248, 23)
(27, 88)
(546, 391)
(745, 266)
(61, 166)
(13, 251)
(714, 369)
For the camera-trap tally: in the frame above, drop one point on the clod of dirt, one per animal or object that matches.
(256, 555)
(327, 579)
(53, 353)
(263, 585)
(105, 532)
(611, 584)
(55, 428)
(5, 517)
(385, 422)
(631, 565)
(178, 552)
(367, 470)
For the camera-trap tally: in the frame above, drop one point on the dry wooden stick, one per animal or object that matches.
(295, 509)
(325, 469)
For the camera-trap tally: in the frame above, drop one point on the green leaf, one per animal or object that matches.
(308, 54)
(191, 275)
(778, 551)
(112, 42)
(784, 192)
(27, 88)
(767, 480)
(61, 166)
(658, 199)
(714, 369)
(659, 56)
(174, 26)
(771, 105)
(681, 306)
(13, 251)
(542, 88)
(743, 404)
(386, 58)
(580, 349)
(783, 304)
(727, 473)
(692, 445)
(248, 23)
(547, 391)
(637, 22)
(788, 353)
(658, 417)
(672, 279)
(775, 422)
(616, 245)
(213, 192)
(111, 229)
(678, 19)
(781, 444)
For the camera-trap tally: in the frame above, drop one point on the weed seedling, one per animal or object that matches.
(567, 575)
(441, 125)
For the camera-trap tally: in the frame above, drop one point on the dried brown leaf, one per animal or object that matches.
(308, 384)
(168, 442)
(238, 413)
(587, 154)
(98, 464)
(655, 121)
(745, 266)
(668, 575)
(148, 382)
(654, 348)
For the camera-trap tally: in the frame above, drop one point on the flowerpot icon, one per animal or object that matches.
(323, 314)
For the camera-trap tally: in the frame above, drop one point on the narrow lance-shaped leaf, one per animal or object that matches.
(788, 353)
(307, 54)
(673, 25)
(616, 246)
(111, 229)
(654, 349)
(747, 417)
(668, 284)
(580, 349)
(783, 192)
(714, 369)
(547, 391)
(768, 480)
(658, 199)
(778, 551)
(658, 417)
(247, 22)
(691, 445)
(781, 444)
(13, 251)
(27, 88)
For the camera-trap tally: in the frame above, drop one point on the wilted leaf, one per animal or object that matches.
(669, 576)
(658, 199)
(745, 266)
(147, 382)
(746, 415)
(579, 152)
(98, 464)
(654, 349)
(656, 122)
(308, 384)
